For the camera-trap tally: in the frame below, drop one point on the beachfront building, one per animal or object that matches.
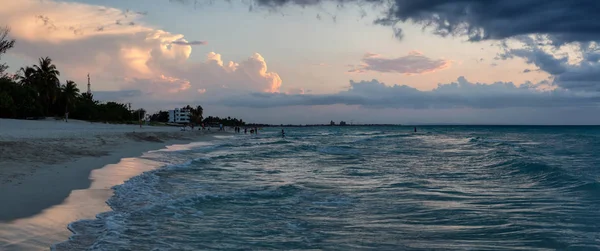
(179, 115)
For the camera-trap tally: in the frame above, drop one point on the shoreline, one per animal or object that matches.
(40, 172)
(39, 204)
(51, 185)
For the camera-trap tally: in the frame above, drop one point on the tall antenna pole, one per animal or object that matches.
(89, 90)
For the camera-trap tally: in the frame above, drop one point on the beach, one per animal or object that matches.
(43, 162)
(319, 188)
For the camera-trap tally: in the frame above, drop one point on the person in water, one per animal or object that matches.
(282, 133)
(415, 129)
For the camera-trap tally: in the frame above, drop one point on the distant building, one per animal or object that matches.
(181, 116)
(343, 123)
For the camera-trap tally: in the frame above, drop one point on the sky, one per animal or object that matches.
(312, 61)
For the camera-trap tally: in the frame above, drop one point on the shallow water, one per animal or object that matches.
(362, 188)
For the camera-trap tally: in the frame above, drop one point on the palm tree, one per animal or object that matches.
(26, 76)
(198, 113)
(87, 96)
(70, 92)
(5, 45)
(48, 83)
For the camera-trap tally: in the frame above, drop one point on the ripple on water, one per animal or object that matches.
(354, 188)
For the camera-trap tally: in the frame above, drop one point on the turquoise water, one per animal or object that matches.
(363, 188)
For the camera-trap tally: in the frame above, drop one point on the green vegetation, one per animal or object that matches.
(225, 121)
(36, 91)
(197, 118)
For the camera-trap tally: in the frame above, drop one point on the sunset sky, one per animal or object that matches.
(311, 61)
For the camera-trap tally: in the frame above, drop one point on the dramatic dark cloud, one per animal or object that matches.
(183, 42)
(581, 76)
(543, 60)
(564, 21)
(413, 63)
(460, 94)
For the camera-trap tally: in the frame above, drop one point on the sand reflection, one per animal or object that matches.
(50, 226)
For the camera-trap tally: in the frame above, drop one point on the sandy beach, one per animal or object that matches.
(41, 162)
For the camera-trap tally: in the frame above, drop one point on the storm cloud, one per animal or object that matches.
(583, 75)
(563, 21)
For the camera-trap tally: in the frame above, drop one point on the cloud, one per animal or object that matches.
(481, 20)
(561, 21)
(537, 23)
(123, 57)
(413, 63)
(566, 72)
(459, 94)
(184, 42)
(55, 22)
(158, 86)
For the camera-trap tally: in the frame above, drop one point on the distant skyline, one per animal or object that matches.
(306, 62)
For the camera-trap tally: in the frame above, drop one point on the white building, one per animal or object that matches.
(181, 116)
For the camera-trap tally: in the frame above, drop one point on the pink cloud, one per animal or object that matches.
(413, 63)
(121, 56)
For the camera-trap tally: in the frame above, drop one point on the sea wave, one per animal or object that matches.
(355, 189)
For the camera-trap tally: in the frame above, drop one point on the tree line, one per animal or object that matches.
(197, 118)
(36, 91)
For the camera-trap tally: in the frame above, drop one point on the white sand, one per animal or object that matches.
(51, 128)
(41, 162)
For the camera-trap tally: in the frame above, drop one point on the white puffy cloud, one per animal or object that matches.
(121, 52)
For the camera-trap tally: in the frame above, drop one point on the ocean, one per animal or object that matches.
(362, 188)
